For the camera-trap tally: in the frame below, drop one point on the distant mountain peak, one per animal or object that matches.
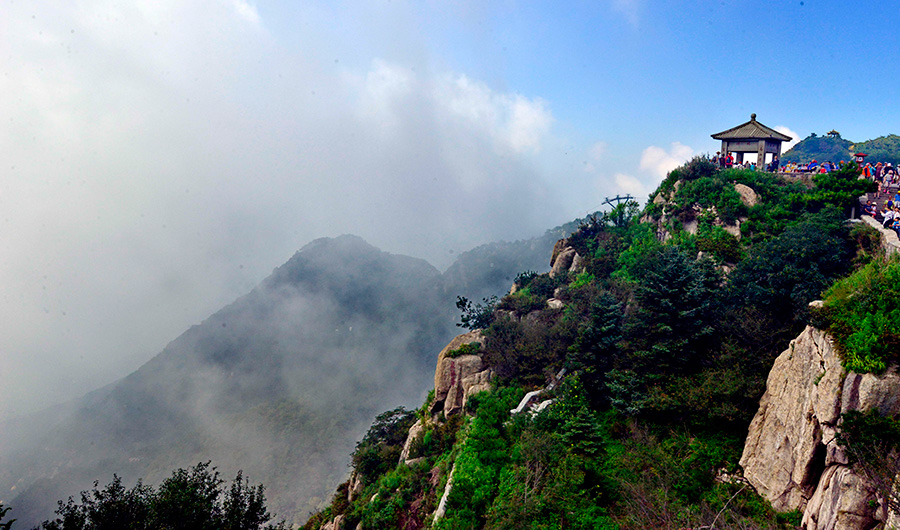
(835, 148)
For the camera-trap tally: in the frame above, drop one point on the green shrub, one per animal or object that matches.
(711, 192)
(380, 448)
(723, 246)
(476, 316)
(582, 279)
(784, 274)
(483, 454)
(634, 258)
(522, 302)
(523, 279)
(868, 243)
(472, 348)
(526, 348)
(863, 315)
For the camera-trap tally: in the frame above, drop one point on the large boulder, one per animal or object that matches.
(456, 378)
(782, 456)
(563, 261)
(840, 503)
(558, 247)
(475, 383)
(791, 456)
(748, 196)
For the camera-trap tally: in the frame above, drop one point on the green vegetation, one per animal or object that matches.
(380, 448)
(862, 313)
(475, 316)
(712, 201)
(881, 149)
(668, 329)
(835, 148)
(473, 348)
(191, 499)
(668, 336)
(820, 148)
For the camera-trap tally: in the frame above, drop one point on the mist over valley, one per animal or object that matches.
(281, 383)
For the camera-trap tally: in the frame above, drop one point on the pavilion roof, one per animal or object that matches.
(752, 130)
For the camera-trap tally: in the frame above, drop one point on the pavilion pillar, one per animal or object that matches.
(761, 154)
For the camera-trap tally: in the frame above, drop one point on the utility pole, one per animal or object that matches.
(618, 198)
(617, 212)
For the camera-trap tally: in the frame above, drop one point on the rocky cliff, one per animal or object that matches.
(791, 455)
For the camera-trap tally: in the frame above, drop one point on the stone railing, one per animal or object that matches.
(890, 242)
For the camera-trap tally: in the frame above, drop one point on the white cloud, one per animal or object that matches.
(246, 11)
(631, 185)
(160, 158)
(794, 135)
(528, 123)
(512, 120)
(659, 162)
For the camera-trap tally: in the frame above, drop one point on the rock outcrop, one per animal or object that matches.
(417, 429)
(457, 378)
(690, 217)
(791, 456)
(748, 196)
(565, 259)
(335, 524)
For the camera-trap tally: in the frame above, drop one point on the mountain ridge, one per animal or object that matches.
(835, 148)
(277, 361)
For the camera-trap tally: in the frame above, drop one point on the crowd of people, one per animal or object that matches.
(813, 167)
(874, 172)
(888, 179)
(727, 160)
(884, 174)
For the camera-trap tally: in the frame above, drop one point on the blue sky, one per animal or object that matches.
(160, 157)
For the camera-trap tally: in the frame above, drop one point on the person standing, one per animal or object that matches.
(867, 172)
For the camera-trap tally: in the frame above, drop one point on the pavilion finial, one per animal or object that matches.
(753, 117)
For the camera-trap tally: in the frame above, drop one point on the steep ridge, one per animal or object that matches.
(280, 383)
(647, 429)
(667, 331)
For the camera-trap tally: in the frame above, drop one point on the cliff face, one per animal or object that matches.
(457, 378)
(791, 456)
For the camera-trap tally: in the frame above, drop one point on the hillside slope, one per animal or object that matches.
(835, 149)
(279, 383)
(616, 391)
(272, 383)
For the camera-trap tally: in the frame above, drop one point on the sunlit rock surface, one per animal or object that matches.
(791, 456)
